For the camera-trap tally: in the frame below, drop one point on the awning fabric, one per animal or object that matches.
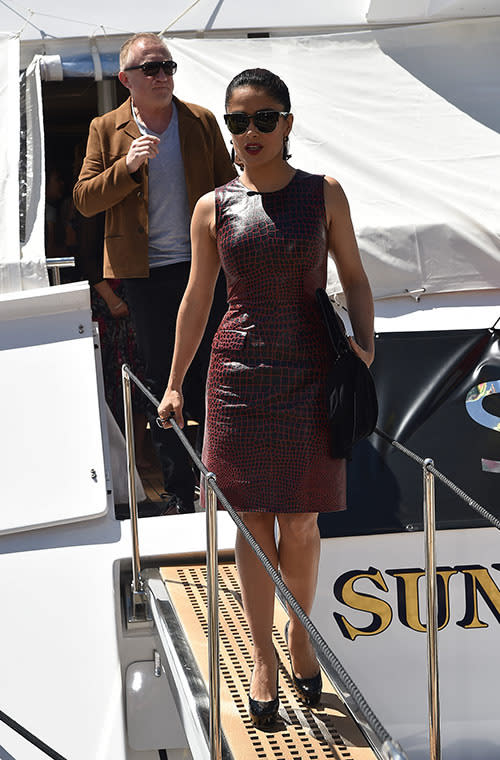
(413, 141)
(49, 20)
(22, 183)
(406, 118)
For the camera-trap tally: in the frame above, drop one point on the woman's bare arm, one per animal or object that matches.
(344, 249)
(195, 306)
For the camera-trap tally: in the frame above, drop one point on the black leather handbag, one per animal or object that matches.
(352, 406)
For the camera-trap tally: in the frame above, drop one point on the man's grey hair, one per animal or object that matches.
(125, 48)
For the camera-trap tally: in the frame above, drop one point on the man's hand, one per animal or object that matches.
(144, 147)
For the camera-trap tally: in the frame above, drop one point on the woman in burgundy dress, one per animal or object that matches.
(266, 431)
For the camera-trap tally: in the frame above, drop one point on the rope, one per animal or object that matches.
(439, 475)
(30, 737)
(26, 20)
(178, 18)
(347, 682)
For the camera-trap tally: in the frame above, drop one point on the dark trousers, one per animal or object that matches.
(154, 303)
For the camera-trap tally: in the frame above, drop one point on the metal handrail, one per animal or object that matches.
(388, 749)
(213, 617)
(57, 263)
(429, 473)
(439, 475)
(137, 586)
(384, 746)
(31, 738)
(60, 261)
(432, 611)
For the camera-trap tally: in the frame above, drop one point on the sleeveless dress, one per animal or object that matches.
(266, 430)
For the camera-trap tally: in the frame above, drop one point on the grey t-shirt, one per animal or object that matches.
(168, 210)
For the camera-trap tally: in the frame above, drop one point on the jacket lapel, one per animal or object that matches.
(124, 120)
(187, 130)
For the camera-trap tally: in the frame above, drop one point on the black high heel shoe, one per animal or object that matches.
(309, 689)
(264, 714)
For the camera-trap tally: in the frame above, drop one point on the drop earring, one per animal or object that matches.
(236, 161)
(286, 145)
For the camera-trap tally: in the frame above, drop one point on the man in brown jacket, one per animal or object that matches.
(147, 163)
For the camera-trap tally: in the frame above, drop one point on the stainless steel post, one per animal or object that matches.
(137, 584)
(432, 611)
(213, 618)
(56, 263)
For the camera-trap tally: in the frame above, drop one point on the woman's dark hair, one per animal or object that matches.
(262, 79)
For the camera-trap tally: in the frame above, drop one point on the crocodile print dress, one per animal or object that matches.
(266, 434)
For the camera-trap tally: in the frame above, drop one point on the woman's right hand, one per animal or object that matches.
(118, 309)
(171, 403)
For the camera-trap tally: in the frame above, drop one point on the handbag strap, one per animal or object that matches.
(334, 324)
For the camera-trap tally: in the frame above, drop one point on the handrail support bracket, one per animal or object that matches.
(138, 612)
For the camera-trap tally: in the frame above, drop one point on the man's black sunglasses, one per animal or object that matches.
(152, 68)
(265, 121)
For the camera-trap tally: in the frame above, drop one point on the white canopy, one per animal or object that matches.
(46, 19)
(406, 118)
(9, 171)
(22, 260)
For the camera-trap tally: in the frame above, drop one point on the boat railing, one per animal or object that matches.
(29, 737)
(56, 264)
(430, 472)
(383, 745)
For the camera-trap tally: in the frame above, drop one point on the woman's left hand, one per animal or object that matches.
(366, 356)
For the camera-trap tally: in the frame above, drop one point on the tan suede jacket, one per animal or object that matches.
(104, 183)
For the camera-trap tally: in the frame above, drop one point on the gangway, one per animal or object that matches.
(198, 603)
(179, 601)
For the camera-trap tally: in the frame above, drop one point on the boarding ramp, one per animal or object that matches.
(195, 602)
(178, 597)
(191, 601)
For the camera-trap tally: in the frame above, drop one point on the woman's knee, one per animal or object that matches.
(298, 528)
(259, 523)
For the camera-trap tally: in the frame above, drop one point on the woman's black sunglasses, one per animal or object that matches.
(152, 68)
(265, 121)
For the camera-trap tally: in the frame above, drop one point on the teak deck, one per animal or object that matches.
(326, 731)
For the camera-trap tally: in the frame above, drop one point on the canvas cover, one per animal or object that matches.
(47, 20)
(9, 153)
(411, 135)
(22, 195)
(32, 181)
(406, 118)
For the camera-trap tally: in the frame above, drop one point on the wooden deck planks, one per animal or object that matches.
(327, 731)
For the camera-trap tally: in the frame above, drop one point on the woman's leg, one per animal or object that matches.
(257, 590)
(298, 553)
